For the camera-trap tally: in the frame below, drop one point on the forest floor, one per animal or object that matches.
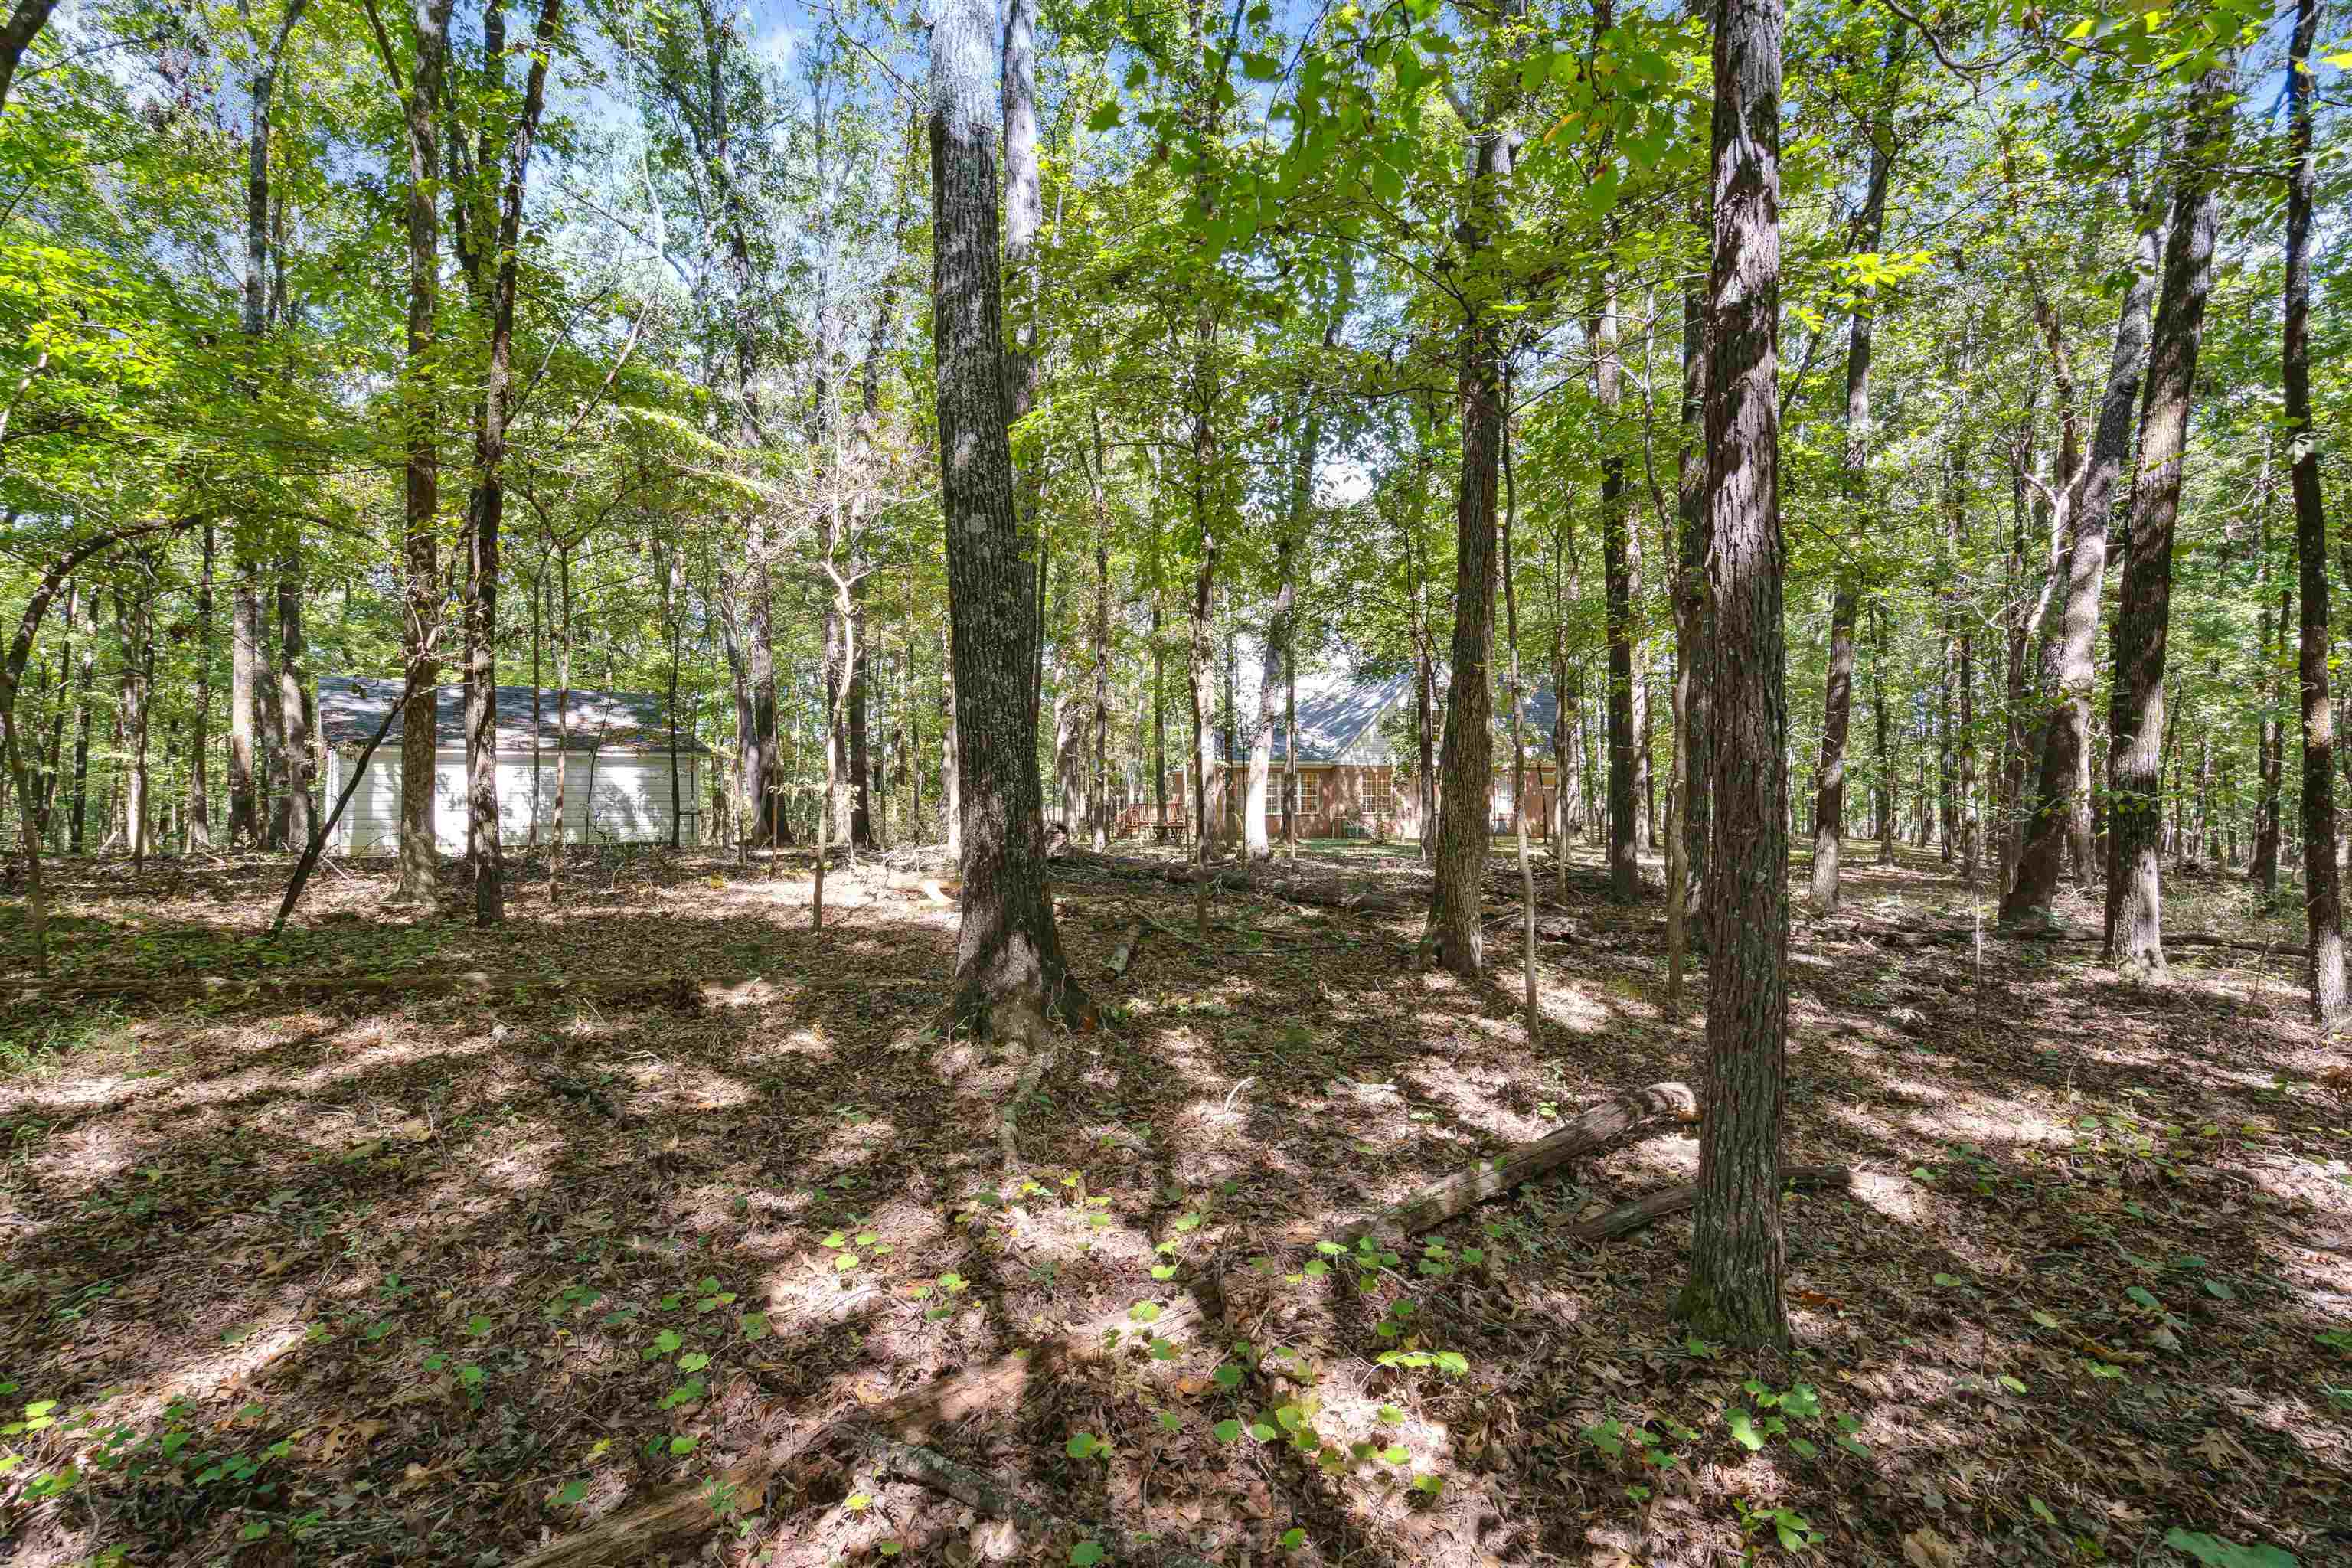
(394, 1276)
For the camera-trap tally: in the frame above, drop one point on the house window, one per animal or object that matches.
(1379, 794)
(1300, 799)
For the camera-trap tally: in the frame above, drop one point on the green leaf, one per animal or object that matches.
(569, 1493)
(1743, 1429)
(478, 1325)
(858, 1500)
(1293, 1539)
(888, 1548)
(839, 1239)
(1392, 1413)
(1168, 1271)
(1262, 1431)
(1454, 1364)
(1086, 1554)
(2141, 1294)
(2220, 1291)
(693, 1362)
(1170, 1422)
(1082, 1444)
(1106, 115)
(663, 1343)
(846, 1262)
(1396, 1453)
(1229, 1376)
(682, 1446)
(1228, 1430)
(2216, 1552)
(1144, 1312)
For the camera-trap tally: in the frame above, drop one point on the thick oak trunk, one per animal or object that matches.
(1009, 968)
(2325, 919)
(1738, 1247)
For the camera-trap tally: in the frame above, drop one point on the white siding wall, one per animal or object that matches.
(632, 801)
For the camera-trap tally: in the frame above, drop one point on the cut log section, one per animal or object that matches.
(1605, 1125)
(1633, 1216)
(1124, 953)
(985, 1493)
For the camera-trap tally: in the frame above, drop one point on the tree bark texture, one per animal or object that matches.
(1619, 591)
(419, 861)
(1738, 1247)
(1468, 763)
(2136, 940)
(1009, 968)
(2324, 917)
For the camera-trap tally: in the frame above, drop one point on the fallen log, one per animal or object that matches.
(1603, 1126)
(998, 1384)
(1323, 891)
(985, 1492)
(1634, 1215)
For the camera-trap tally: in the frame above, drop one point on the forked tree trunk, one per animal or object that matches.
(2136, 934)
(2324, 920)
(1739, 1253)
(1009, 968)
(2072, 671)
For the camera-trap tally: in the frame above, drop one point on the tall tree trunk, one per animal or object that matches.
(1009, 969)
(951, 760)
(1201, 678)
(85, 680)
(200, 805)
(1738, 1252)
(421, 103)
(497, 273)
(2135, 935)
(244, 666)
(1468, 761)
(1693, 634)
(861, 762)
(562, 724)
(2270, 758)
(136, 614)
(1159, 712)
(1278, 636)
(1620, 591)
(1883, 750)
(1099, 812)
(2324, 920)
(294, 707)
(2070, 669)
(1837, 707)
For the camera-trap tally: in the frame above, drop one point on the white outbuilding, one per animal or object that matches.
(627, 773)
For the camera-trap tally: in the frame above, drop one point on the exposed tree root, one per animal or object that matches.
(1605, 1125)
(1634, 1215)
(991, 1497)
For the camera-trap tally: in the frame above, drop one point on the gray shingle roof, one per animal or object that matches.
(1336, 710)
(351, 707)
